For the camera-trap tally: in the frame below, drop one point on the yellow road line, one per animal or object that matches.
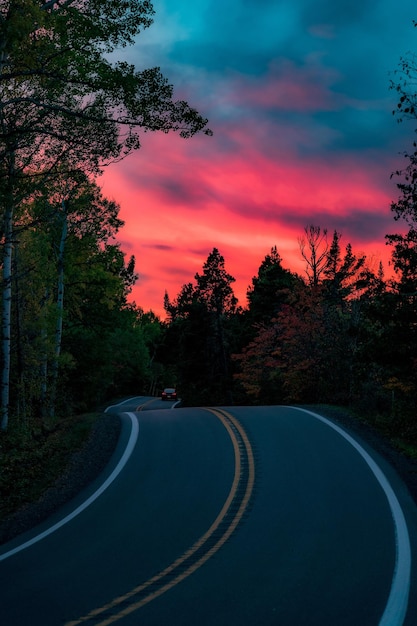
(225, 418)
(141, 406)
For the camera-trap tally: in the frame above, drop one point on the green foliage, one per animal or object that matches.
(106, 344)
(110, 359)
(67, 109)
(31, 461)
(59, 86)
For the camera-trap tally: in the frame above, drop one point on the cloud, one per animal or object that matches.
(159, 246)
(286, 86)
(298, 97)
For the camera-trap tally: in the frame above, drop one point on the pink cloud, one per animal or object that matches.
(286, 87)
(179, 199)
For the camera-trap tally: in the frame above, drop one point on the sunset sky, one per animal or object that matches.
(297, 95)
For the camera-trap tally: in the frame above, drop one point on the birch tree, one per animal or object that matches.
(59, 304)
(71, 272)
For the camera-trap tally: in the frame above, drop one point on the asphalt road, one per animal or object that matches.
(250, 516)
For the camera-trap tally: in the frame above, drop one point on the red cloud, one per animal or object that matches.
(236, 192)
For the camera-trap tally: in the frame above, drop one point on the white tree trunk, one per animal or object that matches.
(6, 315)
(60, 309)
(44, 360)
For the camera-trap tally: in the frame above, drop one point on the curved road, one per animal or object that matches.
(211, 517)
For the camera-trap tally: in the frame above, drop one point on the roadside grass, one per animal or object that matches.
(31, 462)
(397, 431)
(409, 449)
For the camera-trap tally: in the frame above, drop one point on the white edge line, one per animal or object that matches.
(396, 607)
(122, 462)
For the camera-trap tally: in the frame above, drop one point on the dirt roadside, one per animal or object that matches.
(85, 465)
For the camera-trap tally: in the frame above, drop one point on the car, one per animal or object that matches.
(169, 393)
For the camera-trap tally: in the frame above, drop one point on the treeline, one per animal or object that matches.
(68, 109)
(341, 334)
(75, 339)
(69, 337)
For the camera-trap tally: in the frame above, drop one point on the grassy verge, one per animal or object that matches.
(30, 463)
(398, 432)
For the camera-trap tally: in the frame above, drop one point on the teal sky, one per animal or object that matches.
(297, 94)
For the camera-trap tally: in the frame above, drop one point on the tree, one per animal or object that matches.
(301, 355)
(343, 276)
(70, 272)
(308, 350)
(269, 289)
(258, 366)
(97, 318)
(199, 321)
(402, 340)
(214, 286)
(404, 254)
(215, 291)
(314, 249)
(84, 215)
(405, 208)
(63, 101)
(55, 67)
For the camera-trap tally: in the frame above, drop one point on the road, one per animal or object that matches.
(212, 517)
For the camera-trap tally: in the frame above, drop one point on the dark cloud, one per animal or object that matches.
(184, 191)
(179, 272)
(340, 13)
(356, 225)
(363, 44)
(126, 245)
(158, 246)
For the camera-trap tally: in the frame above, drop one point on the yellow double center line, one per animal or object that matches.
(226, 523)
(142, 406)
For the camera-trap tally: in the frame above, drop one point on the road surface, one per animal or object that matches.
(212, 517)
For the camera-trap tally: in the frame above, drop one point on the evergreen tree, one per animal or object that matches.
(343, 276)
(214, 286)
(270, 289)
(199, 321)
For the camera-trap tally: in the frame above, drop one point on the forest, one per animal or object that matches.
(68, 109)
(71, 340)
(341, 335)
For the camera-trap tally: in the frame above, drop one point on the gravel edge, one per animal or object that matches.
(84, 467)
